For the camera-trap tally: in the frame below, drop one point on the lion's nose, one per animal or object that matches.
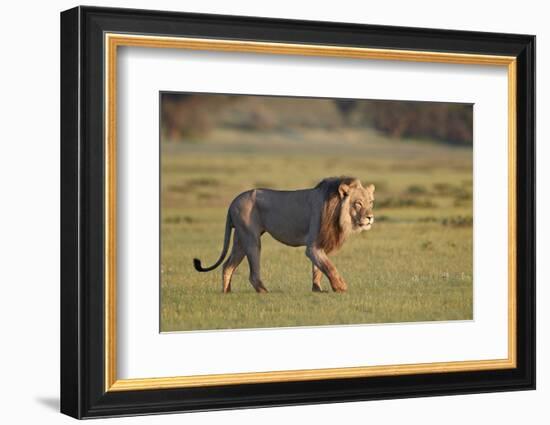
(370, 218)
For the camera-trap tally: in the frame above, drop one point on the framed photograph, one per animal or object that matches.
(261, 212)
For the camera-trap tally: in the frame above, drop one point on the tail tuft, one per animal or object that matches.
(197, 264)
(226, 239)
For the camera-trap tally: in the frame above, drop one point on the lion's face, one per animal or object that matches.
(361, 203)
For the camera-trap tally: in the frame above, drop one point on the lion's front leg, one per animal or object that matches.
(317, 275)
(320, 259)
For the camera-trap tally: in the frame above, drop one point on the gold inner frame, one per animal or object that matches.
(113, 41)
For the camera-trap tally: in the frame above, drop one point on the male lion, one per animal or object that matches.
(320, 219)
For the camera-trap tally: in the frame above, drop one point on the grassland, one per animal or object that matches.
(414, 265)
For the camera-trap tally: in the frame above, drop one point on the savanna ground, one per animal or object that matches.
(414, 265)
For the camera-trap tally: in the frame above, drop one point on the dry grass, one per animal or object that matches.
(414, 265)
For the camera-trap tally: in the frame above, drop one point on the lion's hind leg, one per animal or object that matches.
(246, 220)
(252, 247)
(253, 257)
(235, 258)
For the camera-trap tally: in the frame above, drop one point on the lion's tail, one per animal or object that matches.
(227, 238)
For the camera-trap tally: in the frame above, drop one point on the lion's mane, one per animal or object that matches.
(335, 220)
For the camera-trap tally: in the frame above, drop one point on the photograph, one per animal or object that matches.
(280, 211)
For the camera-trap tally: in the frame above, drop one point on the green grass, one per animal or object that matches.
(414, 265)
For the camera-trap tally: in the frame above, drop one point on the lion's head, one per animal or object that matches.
(348, 208)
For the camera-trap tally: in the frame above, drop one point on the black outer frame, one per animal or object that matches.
(82, 218)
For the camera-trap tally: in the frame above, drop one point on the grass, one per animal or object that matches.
(414, 265)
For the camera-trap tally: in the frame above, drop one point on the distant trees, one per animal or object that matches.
(189, 115)
(447, 122)
(194, 115)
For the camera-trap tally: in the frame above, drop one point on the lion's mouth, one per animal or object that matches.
(364, 225)
(367, 224)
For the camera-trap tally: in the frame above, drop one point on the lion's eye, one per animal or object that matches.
(358, 205)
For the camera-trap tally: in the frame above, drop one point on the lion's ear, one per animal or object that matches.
(343, 190)
(371, 188)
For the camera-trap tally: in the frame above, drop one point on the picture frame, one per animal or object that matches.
(90, 39)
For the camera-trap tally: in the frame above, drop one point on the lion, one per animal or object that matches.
(320, 218)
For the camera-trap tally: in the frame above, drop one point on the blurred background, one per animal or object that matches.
(190, 117)
(414, 265)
